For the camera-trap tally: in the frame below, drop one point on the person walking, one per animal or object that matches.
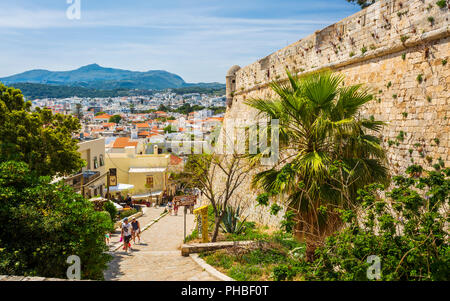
(129, 201)
(136, 230)
(175, 207)
(126, 234)
(169, 206)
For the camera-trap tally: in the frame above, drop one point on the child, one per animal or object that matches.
(107, 238)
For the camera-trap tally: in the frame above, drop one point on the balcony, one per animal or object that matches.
(84, 177)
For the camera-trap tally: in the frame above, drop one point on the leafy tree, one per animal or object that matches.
(325, 153)
(407, 230)
(115, 118)
(362, 3)
(45, 223)
(41, 139)
(168, 129)
(100, 113)
(187, 108)
(163, 108)
(218, 110)
(201, 172)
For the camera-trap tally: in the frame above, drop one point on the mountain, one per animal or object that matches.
(36, 91)
(96, 77)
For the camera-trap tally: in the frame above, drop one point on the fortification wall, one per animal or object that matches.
(398, 49)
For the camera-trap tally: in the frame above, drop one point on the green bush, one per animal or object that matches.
(45, 223)
(127, 213)
(191, 236)
(111, 209)
(232, 221)
(407, 231)
(283, 272)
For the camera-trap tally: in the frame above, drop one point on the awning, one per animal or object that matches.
(146, 170)
(147, 195)
(121, 187)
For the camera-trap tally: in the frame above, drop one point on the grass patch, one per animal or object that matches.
(276, 258)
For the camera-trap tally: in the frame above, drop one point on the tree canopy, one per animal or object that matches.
(45, 223)
(41, 139)
(362, 3)
(326, 152)
(115, 118)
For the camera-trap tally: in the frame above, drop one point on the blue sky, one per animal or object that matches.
(196, 39)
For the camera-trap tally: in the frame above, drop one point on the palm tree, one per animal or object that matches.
(326, 154)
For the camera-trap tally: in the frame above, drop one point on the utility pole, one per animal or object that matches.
(185, 212)
(107, 185)
(82, 184)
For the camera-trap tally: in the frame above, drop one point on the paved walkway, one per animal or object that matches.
(158, 257)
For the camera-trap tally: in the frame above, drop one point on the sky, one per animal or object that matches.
(196, 39)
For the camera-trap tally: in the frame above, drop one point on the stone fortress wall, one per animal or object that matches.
(397, 48)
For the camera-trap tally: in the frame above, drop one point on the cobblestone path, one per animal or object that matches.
(158, 257)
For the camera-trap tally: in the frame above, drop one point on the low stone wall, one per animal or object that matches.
(24, 278)
(187, 249)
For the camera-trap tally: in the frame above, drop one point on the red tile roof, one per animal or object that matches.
(103, 116)
(142, 125)
(174, 160)
(122, 142)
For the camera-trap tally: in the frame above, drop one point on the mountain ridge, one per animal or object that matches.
(95, 76)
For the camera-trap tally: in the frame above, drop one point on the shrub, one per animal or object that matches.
(420, 78)
(263, 199)
(232, 221)
(191, 236)
(127, 213)
(419, 251)
(283, 272)
(46, 224)
(288, 222)
(275, 208)
(441, 3)
(111, 209)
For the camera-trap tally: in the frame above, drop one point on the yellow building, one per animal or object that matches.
(147, 172)
(90, 180)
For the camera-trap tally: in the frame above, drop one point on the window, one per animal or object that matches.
(95, 163)
(102, 161)
(149, 183)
